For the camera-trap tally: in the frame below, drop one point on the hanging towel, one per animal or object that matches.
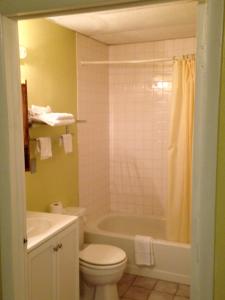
(66, 141)
(44, 147)
(144, 253)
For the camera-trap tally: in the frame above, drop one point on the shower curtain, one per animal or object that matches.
(180, 150)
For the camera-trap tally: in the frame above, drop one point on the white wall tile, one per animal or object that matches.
(139, 126)
(93, 136)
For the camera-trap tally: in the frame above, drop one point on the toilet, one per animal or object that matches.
(101, 266)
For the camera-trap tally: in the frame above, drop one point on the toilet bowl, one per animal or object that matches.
(101, 266)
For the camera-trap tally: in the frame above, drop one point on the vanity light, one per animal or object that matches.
(23, 52)
(162, 85)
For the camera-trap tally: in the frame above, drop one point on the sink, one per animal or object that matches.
(37, 226)
(42, 226)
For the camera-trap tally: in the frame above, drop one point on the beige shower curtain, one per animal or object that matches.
(180, 150)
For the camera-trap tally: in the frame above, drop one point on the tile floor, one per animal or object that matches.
(132, 287)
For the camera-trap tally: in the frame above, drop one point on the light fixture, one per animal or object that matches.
(162, 85)
(23, 52)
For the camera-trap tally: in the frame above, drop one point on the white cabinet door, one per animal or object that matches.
(53, 267)
(42, 272)
(68, 265)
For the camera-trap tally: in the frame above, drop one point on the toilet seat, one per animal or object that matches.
(102, 256)
(98, 267)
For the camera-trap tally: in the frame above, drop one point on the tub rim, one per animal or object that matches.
(92, 227)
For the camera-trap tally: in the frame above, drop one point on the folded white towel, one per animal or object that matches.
(60, 116)
(66, 141)
(44, 114)
(144, 252)
(44, 147)
(46, 118)
(36, 109)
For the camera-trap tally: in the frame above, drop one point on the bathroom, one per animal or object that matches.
(117, 81)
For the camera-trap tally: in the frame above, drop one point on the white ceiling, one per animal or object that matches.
(136, 24)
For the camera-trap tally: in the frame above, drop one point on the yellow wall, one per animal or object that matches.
(50, 71)
(220, 203)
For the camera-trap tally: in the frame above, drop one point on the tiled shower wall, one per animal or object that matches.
(123, 145)
(139, 125)
(93, 136)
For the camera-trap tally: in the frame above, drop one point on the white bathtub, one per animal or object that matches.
(172, 260)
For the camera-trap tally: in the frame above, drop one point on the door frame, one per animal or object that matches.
(209, 63)
(12, 178)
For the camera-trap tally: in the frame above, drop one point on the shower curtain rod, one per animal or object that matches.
(143, 61)
(114, 62)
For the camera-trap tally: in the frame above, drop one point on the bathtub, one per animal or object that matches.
(172, 260)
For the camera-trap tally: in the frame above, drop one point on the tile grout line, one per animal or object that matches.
(153, 288)
(135, 277)
(130, 284)
(157, 280)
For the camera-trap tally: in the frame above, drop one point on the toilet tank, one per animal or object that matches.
(80, 212)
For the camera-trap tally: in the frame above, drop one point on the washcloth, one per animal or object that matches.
(144, 252)
(66, 141)
(44, 147)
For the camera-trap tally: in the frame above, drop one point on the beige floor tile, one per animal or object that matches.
(180, 298)
(137, 293)
(145, 282)
(166, 287)
(127, 278)
(123, 288)
(160, 296)
(183, 290)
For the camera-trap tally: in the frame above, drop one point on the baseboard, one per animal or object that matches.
(158, 274)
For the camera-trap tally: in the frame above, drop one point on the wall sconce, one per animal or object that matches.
(23, 52)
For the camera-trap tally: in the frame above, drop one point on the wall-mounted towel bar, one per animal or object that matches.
(55, 138)
(39, 123)
(81, 121)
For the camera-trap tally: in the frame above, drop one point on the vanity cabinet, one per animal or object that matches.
(53, 267)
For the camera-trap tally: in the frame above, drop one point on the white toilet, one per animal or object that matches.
(101, 266)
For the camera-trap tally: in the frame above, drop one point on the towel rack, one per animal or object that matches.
(55, 137)
(38, 123)
(81, 121)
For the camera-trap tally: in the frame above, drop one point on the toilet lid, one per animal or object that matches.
(98, 254)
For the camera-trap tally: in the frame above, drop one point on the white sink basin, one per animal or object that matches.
(36, 226)
(42, 226)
